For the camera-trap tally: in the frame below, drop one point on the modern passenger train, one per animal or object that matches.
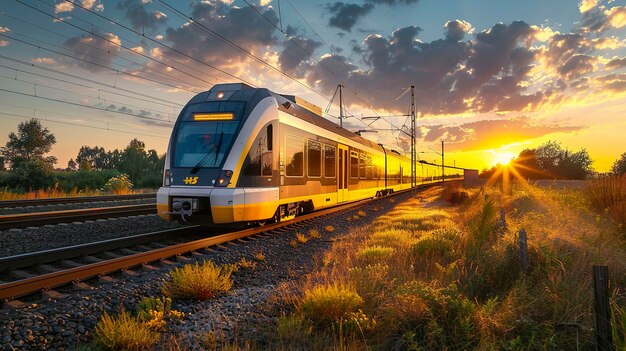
(243, 155)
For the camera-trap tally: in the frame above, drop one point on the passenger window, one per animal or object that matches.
(329, 161)
(294, 153)
(354, 164)
(362, 165)
(270, 133)
(314, 159)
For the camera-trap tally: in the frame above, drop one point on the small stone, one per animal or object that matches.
(57, 329)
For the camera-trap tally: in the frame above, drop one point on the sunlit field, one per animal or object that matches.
(433, 276)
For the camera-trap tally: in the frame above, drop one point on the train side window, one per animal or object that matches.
(270, 134)
(294, 154)
(354, 164)
(368, 164)
(329, 161)
(362, 166)
(314, 154)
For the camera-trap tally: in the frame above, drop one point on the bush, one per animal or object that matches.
(199, 281)
(124, 332)
(118, 185)
(84, 180)
(329, 303)
(430, 318)
(375, 254)
(155, 310)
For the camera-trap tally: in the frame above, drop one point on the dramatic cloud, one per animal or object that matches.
(344, 16)
(488, 134)
(577, 65)
(91, 48)
(242, 26)
(586, 5)
(450, 75)
(616, 63)
(139, 17)
(293, 59)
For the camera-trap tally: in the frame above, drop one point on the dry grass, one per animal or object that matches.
(301, 238)
(259, 256)
(329, 228)
(608, 195)
(199, 281)
(442, 277)
(124, 332)
(314, 234)
(244, 263)
(45, 194)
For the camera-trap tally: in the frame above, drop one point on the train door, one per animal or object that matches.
(342, 183)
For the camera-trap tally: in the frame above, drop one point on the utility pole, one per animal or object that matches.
(443, 175)
(340, 106)
(413, 134)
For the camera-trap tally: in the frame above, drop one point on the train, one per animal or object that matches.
(240, 155)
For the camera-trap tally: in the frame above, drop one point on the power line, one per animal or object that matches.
(81, 125)
(159, 43)
(124, 47)
(85, 106)
(173, 104)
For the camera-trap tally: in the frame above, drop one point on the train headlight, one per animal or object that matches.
(224, 178)
(167, 178)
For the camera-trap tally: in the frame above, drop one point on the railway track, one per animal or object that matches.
(41, 271)
(24, 220)
(73, 200)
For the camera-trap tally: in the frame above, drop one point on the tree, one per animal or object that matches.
(71, 165)
(619, 166)
(25, 153)
(2, 167)
(133, 160)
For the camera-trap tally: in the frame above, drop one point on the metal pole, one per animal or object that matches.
(340, 106)
(413, 151)
(443, 175)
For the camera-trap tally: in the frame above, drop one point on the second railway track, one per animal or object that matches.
(25, 220)
(45, 270)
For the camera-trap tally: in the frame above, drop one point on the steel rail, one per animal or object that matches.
(31, 259)
(48, 281)
(73, 200)
(23, 220)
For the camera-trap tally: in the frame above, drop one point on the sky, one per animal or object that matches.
(491, 77)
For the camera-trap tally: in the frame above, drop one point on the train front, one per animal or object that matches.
(204, 153)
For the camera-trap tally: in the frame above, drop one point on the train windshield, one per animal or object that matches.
(205, 134)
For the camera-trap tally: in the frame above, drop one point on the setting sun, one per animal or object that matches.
(503, 158)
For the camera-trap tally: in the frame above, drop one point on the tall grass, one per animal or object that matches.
(199, 281)
(608, 194)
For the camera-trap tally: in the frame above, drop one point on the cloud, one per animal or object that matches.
(493, 133)
(3, 43)
(293, 58)
(139, 17)
(586, 5)
(63, 7)
(4, 30)
(577, 66)
(44, 60)
(616, 63)
(241, 25)
(344, 16)
(456, 30)
(94, 49)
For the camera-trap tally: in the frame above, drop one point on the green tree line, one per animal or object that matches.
(551, 161)
(30, 169)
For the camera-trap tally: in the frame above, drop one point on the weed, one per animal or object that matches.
(243, 263)
(292, 328)
(375, 254)
(608, 194)
(155, 310)
(124, 332)
(293, 243)
(259, 256)
(301, 238)
(329, 303)
(199, 281)
(329, 228)
(315, 234)
(362, 213)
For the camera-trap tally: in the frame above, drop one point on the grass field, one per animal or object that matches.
(432, 276)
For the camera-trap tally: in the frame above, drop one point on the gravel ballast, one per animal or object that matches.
(69, 322)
